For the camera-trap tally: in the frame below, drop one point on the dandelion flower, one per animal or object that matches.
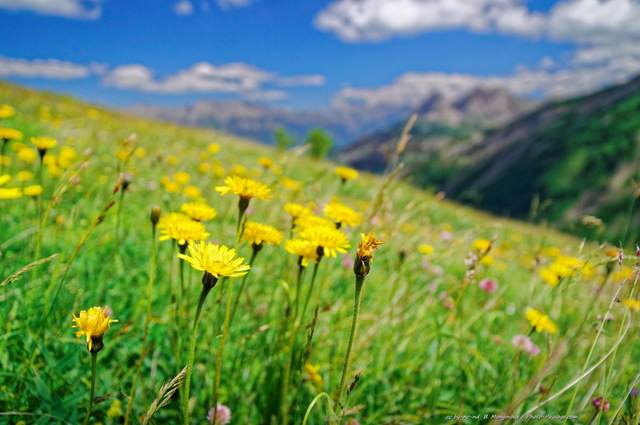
(296, 210)
(28, 155)
(221, 413)
(346, 173)
(217, 260)
(199, 211)
(7, 134)
(257, 234)
(540, 322)
(290, 184)
(245, 188)
(302, 248)
(6, 111)
(182, 177)
(425, 249)
(182, 228)
(25, 176)
(43, 143)
(192, 192)
(33, 190)
(93, 323)
(310, 220)
(8, 193)
(481, 244)
(632, 304)
(342, 214)
(266, 162)
(330, 239)
(549, 276)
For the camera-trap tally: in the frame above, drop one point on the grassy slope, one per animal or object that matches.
(420, 362)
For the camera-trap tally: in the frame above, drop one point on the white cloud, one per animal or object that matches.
(45, 68)
(590, 69)
(183, 7)
(570, 20)
(370, 20)
(301, 80)
(205, 77)
(78, 9)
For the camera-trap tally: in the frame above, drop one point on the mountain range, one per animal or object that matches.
(345, 123)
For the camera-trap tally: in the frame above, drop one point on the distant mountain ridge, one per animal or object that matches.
(443, 126)
(258, 121)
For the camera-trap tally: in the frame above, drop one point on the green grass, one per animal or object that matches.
(420, 360)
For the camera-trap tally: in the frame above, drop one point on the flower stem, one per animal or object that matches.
(94, 366)
(354, 325)
(244, 280)
(192, 351)
(225, 330)
(313, 279)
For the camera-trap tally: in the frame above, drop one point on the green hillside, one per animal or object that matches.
(565, 161)
(463, 314)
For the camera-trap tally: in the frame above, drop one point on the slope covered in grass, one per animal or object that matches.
(434, 337)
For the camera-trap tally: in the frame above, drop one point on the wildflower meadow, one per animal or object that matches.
(157, 274)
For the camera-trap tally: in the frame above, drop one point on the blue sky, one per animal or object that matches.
(316, 54)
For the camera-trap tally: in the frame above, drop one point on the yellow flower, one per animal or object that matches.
(487, 260)
(265, 162)
(310, 220)
(192, 192)
(182, 177)
(290, 184)
(342, 214)
(549, 276)
(5, 160)
(296, 210)
(346, 173)
(331, 240)
(213, 148)
(115, 410)
(257, 234)
(245, 188)
(199, 211)
(43, 143)
(481, 244)
(623, 274)
(6, 111)
(182, 228)
(10, 193)
(173, 160)
(425, 249)
(140, 152)
(34, 190)
(632, 303)
(540, 321)
(203, 167)
(93, 323)
(28, 155)
(25, 176)
(217, 260)
(7, 134)
(239, 170)
(312, 374)
(172, 187)
(302, 248)
(67, 156)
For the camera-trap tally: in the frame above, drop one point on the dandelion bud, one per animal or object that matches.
(156, 211)
(364, 256)
(126, 181)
